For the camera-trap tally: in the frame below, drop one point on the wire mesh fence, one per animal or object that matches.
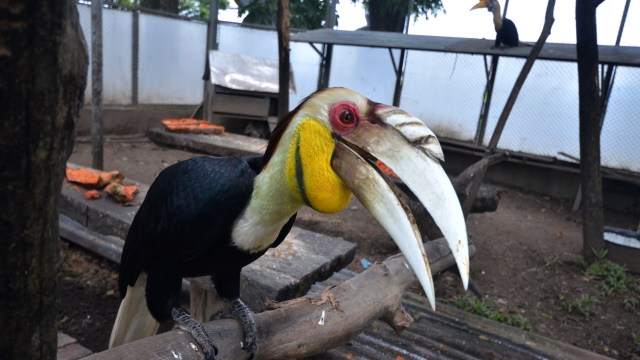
(154, 53)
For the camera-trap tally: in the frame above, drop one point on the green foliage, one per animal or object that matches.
(636, 338)
(385, 15)
(484, 309)
(420, 7)
(390, 15)
(585, 306)
(189, 8)
(305, 14)
(614, 277)
(630, 303)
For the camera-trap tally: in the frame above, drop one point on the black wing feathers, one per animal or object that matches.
(508, 35)
(189, 208)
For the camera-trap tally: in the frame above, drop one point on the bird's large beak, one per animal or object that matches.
(480, 5)
(413, 152)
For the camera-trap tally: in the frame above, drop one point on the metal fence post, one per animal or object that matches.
(135, 53)
(97, 140)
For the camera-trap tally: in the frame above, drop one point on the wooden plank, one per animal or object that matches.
(304, 258)
(64, 339)
(226, 144)
(260, 284)
(287, 271)
(105, 246)
(335, 248)
(241, 105)
(616, 55)
(73, 352)
(70, 349)
(282, 273)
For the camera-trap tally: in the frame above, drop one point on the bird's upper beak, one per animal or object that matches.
(413, 152)
(479, 5)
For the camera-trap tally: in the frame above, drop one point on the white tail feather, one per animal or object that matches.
(134, 321)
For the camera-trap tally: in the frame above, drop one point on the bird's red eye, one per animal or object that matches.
(344, 117)
(347, 117)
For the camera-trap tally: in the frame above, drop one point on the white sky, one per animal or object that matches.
(528, 16)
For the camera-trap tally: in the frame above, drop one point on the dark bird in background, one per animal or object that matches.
(506, 31)
(211, 216)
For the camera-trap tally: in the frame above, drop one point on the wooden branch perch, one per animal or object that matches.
(304, 326)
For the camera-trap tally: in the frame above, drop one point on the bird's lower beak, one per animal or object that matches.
(481, 4)
(411, 150)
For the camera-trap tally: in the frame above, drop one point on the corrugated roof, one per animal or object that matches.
(447, 333)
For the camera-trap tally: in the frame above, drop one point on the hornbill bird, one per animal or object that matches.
(211, 216)
(506, 31)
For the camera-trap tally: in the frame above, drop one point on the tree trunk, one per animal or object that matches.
(43, 69)
(283, 58)
(590, 110)
(387, 15)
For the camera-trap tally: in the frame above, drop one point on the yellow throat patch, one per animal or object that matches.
(309, 173)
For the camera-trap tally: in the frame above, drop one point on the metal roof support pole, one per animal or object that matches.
(205, 109)
(135, 52)
(283, 25)
(486, 99)
(488, 91)
(97, 138)
(610, 72)
(402, 62)
(526, 68)
(327, 49)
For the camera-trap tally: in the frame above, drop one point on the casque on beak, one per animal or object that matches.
(481, 4)
(412, 151)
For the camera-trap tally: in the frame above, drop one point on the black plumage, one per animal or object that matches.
(507, 35)
(183, 229)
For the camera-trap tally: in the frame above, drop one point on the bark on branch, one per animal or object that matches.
(304, 326)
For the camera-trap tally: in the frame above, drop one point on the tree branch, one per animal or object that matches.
(308, 325)
(497, 133)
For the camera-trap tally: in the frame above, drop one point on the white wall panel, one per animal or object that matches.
(445, 92)
(171, 60)
(544, 119)
(116, 54)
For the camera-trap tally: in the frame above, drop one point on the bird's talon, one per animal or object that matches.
(249, 345)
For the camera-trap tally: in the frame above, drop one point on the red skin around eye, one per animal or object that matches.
(336, 116)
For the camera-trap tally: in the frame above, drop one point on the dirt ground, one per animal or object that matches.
(528, 263)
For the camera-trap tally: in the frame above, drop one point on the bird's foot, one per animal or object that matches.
(241, 312)
(185, 321)
(244, 315)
